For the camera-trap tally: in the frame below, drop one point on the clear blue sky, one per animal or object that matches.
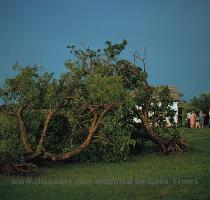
(176, 34)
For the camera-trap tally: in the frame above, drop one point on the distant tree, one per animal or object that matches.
(201, 103)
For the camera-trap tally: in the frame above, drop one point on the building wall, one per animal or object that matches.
(174, 107)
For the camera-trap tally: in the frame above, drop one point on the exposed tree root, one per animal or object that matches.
(10, 166)
(178, 143)
(24, 169)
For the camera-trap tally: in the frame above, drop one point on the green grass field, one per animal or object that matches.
(184, 176)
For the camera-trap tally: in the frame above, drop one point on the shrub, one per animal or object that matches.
(9, 140)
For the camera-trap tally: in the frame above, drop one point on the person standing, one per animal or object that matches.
(197, 121)
(209, 118)
(188, 119)
(192, 119)
(201, 119)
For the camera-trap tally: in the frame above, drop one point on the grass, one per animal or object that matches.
(184, 176)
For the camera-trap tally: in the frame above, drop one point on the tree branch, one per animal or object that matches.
(23, 133)
(46, 124)
(94, 125)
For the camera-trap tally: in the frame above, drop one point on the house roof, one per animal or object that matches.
(175, 93)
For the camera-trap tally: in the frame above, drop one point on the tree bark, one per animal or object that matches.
(44, 130)
(46, 124)
(23, 133)
(68, 155)
(152, 135)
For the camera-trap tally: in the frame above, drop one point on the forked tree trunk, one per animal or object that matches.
(67, 155)
(44, 130)
(23, 133)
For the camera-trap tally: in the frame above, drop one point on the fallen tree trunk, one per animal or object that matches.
(166, 145)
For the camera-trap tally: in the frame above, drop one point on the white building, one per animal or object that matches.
(175, 94)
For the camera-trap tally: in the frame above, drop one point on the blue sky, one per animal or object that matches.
(176, 34)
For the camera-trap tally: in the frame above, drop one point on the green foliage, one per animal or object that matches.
(59, 133)
(23, 87)
(94, 80)
(154, 102)
(201, 102)
(33, 119)
(115, 147)
(106, 89)
(9, 137)
(114, 50)
(111, 143)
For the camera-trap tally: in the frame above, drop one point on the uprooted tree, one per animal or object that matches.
(100, 95)
(152, 107)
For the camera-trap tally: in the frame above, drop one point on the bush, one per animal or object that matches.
(111, 143)
(9, 137)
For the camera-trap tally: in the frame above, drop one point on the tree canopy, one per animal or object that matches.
(97, 99)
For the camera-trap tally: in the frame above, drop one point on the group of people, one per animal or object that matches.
(196, 120)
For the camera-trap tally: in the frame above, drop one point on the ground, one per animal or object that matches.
(148, 176)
